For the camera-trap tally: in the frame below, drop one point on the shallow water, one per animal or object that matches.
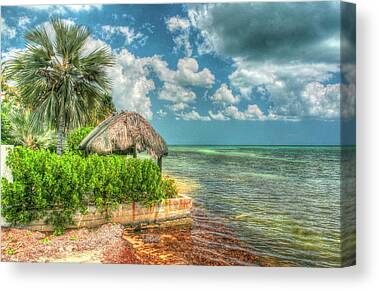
(283, 202)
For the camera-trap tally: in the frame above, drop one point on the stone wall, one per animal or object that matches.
(134, 213)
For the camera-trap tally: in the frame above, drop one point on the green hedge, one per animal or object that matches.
(75, 138)
(54, 188)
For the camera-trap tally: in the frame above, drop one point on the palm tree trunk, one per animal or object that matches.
(60, 137)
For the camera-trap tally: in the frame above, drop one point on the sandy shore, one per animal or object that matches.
(101, 245)
(182, 242)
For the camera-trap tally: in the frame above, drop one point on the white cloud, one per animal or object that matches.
(7, 31)
(283, 86)
(176, 83)
(131, 86)
(177, 23)
(180, 28)
(161, 113)
(10, 54)
(58, 9)
(322, 100)
(218, 116)
(187, 73)
(175, 93)
(178, 106)
(23, 21)
(129, 34)
(224, 95)
(291, 70)
(92, 44)
(62, 9)
(251, 113)
(192, 115)
(247, 75)
(79, 8)
(182, 41)
(130, 83)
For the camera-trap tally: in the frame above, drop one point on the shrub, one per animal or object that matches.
(6, 137)
(46, 186)
(169, 187)
(76, 136)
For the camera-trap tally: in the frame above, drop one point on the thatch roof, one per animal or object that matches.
(124, 133)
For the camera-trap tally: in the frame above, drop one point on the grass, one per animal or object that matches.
(10, 252)
(45, 240)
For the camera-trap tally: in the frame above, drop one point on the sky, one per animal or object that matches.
(243, 73)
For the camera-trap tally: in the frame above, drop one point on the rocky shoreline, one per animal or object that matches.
(179, 242)
(197, 240)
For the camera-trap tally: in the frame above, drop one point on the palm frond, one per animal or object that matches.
(57, 80)
(25, 133)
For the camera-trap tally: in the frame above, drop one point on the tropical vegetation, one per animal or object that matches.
(53, 94)
(54, 188)
(76, 136)
(24, 133)
(60, 78)
(9, 101)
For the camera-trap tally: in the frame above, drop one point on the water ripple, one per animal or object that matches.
(283, 202)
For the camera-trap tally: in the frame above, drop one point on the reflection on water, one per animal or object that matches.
(282, 202)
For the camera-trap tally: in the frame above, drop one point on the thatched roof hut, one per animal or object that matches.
(125, 133)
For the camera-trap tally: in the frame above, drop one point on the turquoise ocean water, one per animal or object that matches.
(283, 202)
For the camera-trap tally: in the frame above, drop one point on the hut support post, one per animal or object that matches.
(135, 152)
(160, 163)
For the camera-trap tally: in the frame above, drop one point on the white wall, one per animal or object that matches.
(5, 171)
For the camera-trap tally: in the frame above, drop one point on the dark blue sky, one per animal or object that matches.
(261, 73)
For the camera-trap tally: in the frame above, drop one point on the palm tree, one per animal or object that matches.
(9, 99)
(24, 133)
(105, 108)
(56, 75)
(7, 91)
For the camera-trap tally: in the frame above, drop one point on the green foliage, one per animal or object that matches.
(6, 137)
(169, 187)
(45, 240)
(9, 100)
(62, 85)
(25, 133)
(46, 186)
(10, 252)
(76, 136)
(104, 109)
